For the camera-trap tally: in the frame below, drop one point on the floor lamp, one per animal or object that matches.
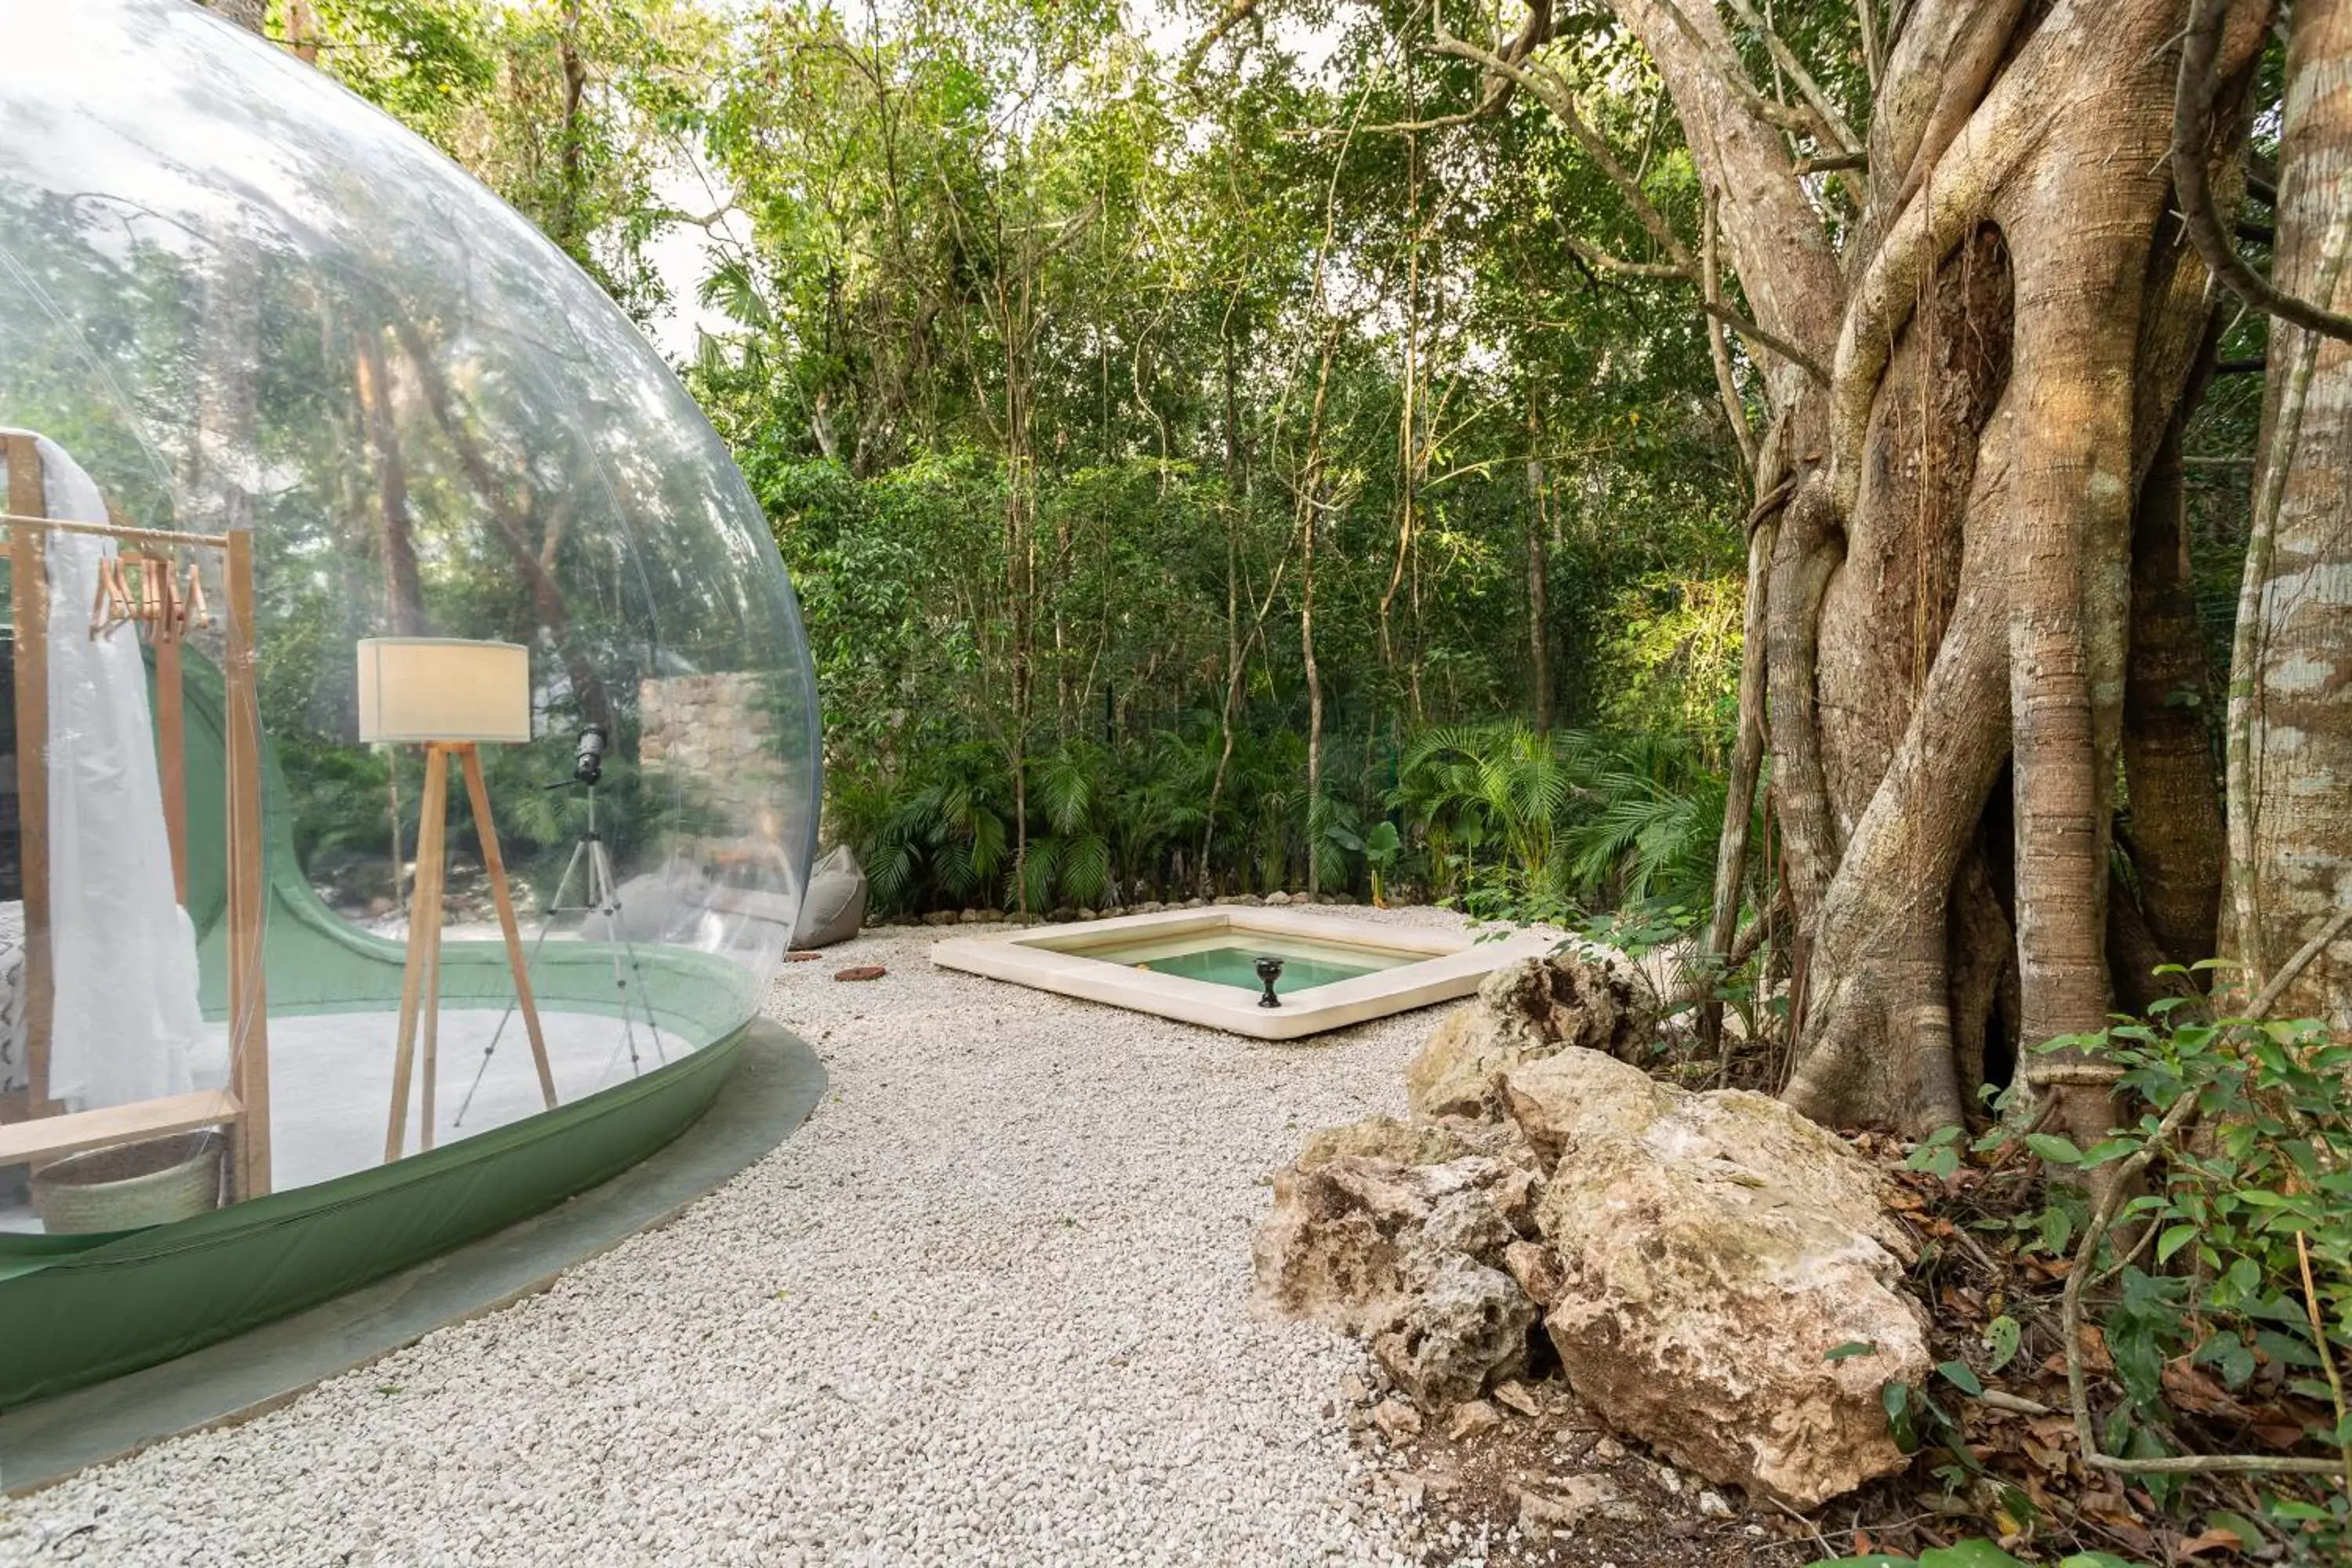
(452, 695)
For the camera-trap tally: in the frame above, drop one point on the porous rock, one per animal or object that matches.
(1404, 1255)
(1562, 1504)
(1385, 1137)
(1462, 1324)
(1524, 1011)
(1712, 1250)
(1536, 1268)
(1398, 1422)
(1471, 1417)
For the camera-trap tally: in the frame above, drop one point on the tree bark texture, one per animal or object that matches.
(1973, 616)
(2294, 747)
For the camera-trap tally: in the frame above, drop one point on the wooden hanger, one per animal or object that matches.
(139, 590)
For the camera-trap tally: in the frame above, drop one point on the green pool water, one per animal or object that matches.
(1238, 966)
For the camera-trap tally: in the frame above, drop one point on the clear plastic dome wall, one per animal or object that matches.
(278, 353)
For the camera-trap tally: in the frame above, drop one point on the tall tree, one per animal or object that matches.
(2290, 740)
(1973, 334)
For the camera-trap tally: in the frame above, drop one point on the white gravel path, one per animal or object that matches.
(988, 1306)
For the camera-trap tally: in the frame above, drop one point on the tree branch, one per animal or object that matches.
(1548, 87)
(1533, 34)
(1773, 340)
(2192, 135)
(2295, 965)
(1717, 350)
(1593, 256)
(1726, 65)
(1809, 90)
(1555, 97)
(1237, 13)
(1714, 307)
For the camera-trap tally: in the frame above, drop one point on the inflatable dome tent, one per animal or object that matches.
(411, 765)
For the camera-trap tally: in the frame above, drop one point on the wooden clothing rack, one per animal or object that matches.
(35, 1128)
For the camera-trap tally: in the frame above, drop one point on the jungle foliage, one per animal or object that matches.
(1165, 465)
(1625, 457)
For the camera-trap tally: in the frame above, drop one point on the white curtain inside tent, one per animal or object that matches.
(127, 1020)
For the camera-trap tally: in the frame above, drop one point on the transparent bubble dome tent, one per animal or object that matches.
(346, 517)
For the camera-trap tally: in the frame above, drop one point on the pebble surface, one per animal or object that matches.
(989, 1306)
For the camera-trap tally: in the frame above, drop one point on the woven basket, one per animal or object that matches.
(132, 1184)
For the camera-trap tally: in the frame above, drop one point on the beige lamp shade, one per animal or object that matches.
(443, 689)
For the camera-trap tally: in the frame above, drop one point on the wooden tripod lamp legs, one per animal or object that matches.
(420, 990)
(419, 983)
(478, 796)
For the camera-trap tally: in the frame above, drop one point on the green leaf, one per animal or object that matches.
(2173, 1239)
(2002, 1336)
(2248, 1533)
(1852, 1349)
(1960, 1376)
(1936, 1160)
(2299, 1511)
(1896, 1398)
(1968, 1555)
(2057, 1151)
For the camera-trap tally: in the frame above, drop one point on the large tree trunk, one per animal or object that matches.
(2007, 326)
(1539, 690)
(402, 585)
(2176, 834)
(1309, 503)
(2292, 738)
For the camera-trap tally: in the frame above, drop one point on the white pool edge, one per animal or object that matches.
(1456, 962)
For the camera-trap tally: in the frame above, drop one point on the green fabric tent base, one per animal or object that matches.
(776, 1082)
(79, 1309)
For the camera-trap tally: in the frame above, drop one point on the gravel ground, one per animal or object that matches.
(988, 1306)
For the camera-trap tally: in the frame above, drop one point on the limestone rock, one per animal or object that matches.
(1523, 1010)
(1713, 1249)
(1399, 1423)
(1536, 1268)
(1561, 1101)
(1462, 1325)
(1385, 1137)
(1321, 1255)
(1561, 1505)
(1467, 1223)
(1582, 1099)
(1471, 1417)
(1352, 1236)
(1515, 1395)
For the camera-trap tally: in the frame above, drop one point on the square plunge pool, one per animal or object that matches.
(1200, 966)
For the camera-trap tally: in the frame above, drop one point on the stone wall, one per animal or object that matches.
(722, 732)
